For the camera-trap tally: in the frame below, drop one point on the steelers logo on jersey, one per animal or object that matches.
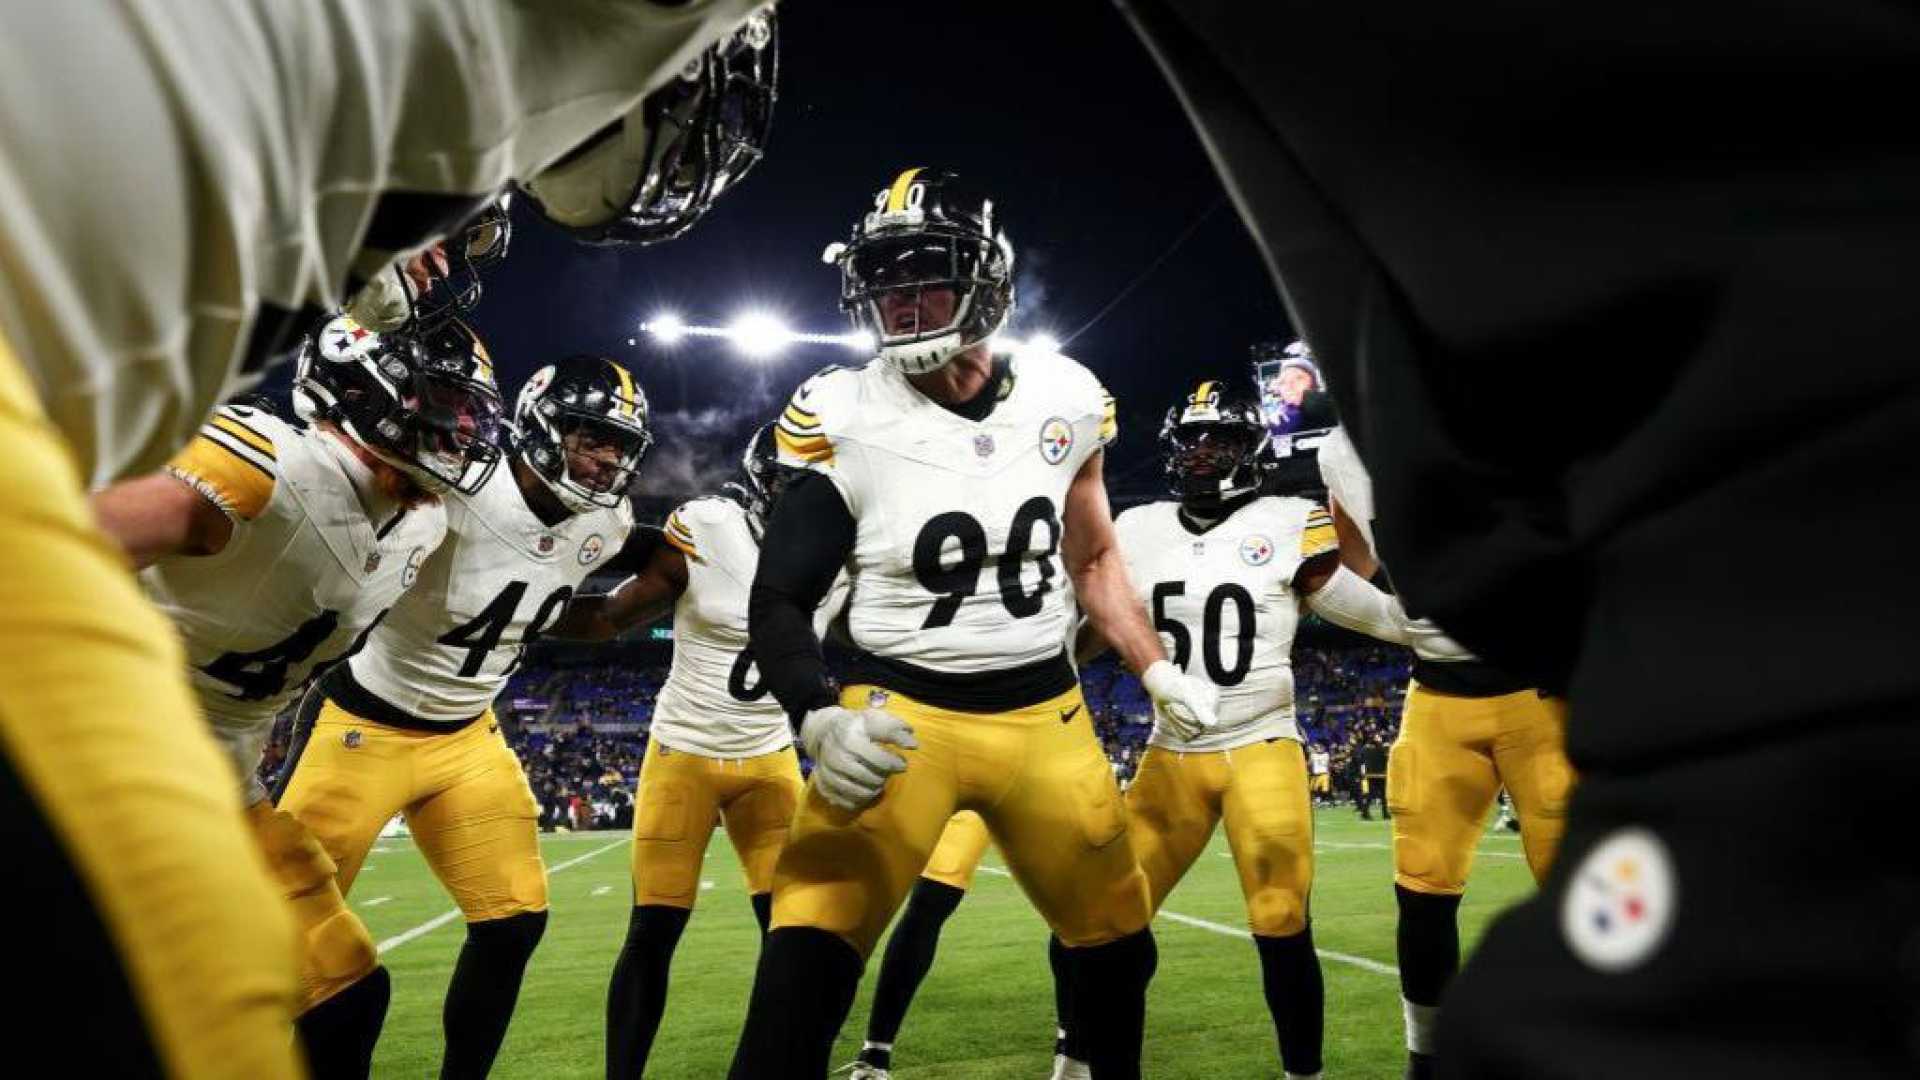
(1056, 440)
(591, 549)
(1620, 904)
(1256, 550)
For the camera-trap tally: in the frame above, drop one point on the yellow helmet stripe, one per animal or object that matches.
(626, 388)
(1200, 395)
(897, 197)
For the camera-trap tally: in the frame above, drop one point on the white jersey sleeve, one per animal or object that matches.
(283, 148)
(1222, 600)
(501, 579)
(956, 568)
(303, 575)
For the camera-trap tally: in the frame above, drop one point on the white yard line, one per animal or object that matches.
(446, 917)
(1360, 962)
(375, 902)
(1389, 847)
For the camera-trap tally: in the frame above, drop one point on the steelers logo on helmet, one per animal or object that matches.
(424, 402)
(1214, 444)
(582, 426)
(927, 272)
(651, 175)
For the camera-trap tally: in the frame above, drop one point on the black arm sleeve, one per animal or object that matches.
(807, 542)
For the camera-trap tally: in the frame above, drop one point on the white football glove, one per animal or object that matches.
(1184, 702)
(851, 761)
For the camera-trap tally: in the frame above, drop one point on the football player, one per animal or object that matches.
(406, 725)
(916, 937)
(1466, 729)
(720, 745)
(955, 485)
(1226, 572)
(273, 547)
(286, 150)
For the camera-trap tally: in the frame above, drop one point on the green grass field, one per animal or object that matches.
(985, 1011)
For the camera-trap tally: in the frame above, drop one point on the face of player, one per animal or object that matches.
(600, 459)
(1210, 453)
(1293, 385)
(911, 311)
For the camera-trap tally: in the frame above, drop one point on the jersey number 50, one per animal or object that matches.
(954, 583)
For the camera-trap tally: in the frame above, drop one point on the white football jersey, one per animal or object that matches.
(713, 702)
(1317, 762)
(1351, 486)
(956, 565)
(1224, 605)
(445, 650)
(183, 183)
(305, 573)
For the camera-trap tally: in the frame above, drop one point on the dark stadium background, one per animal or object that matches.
(1055, 108)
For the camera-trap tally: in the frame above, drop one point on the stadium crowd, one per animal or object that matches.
(581, 728)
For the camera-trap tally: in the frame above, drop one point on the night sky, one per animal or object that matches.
(1053, 108)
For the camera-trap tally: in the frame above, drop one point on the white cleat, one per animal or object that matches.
(860, 1070)
(1066, 1068)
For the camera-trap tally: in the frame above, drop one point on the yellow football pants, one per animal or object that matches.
(1036, 776)
(1322, 784)
(962, 844)
(103, 745)
(680, 796)
(1447, 767)
(1260, 790)
(463, 793)
(336, 949)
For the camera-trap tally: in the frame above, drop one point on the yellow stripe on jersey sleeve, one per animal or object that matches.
(680, 536)
(1317, 536)
(802, 447)
(228, 473)
(241, 431)
(799, 420)
(1109, 420)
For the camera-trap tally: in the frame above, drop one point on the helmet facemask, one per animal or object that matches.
(582, 428)
(1214, 449)
(649, 176)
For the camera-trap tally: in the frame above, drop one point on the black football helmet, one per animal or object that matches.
(1215, 444)
(649, 176)
(478, 246)
(928, 230)
(763, 478)
(582, 426)
(424, 402)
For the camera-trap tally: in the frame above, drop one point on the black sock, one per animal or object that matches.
(338, 1034)
(484, 988)
(1110, 1002)
(1059, 958)
(801, 993)
(1296, 996)
(762, 910)
(637, 994)
(1428, 943)
(909, 956)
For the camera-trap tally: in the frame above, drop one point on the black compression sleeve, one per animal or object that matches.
(807, 542)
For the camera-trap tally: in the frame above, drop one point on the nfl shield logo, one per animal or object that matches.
(877, 699)
(983, 445)
(545, 544)
(373, 562)
(352, 739)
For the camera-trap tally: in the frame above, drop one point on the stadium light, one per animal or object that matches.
(759, 335)
(665, 328)
(1044, 343)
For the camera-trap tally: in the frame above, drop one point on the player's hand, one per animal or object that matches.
(1184, 702)
(851, 761)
